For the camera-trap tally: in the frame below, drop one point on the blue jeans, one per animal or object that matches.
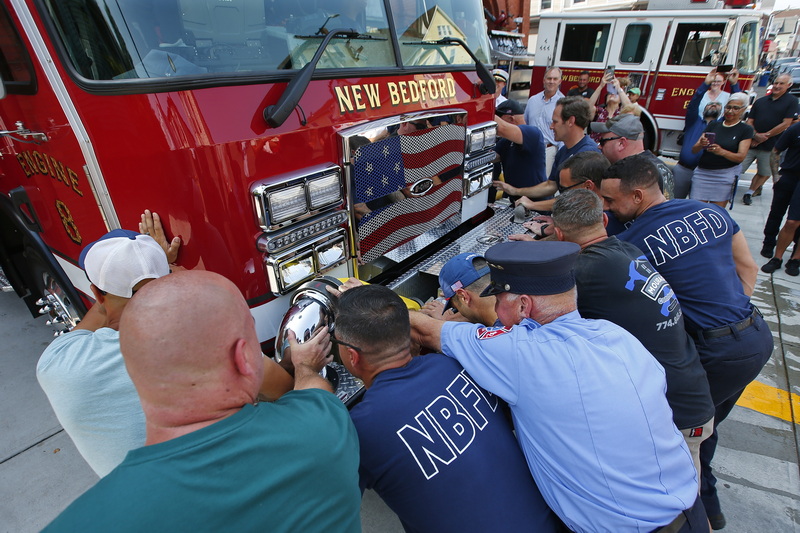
(731, 362)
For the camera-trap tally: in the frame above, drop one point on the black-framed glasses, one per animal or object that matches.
(604, 141)
(562, 189)
(734, 107)
(334, 340)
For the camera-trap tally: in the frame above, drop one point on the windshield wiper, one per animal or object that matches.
(483, 72)
(275, 115)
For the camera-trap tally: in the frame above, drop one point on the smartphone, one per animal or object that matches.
(711, 137)
(610, 86)
(724, 68)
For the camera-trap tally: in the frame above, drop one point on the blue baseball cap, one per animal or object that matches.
(531, 267)
(458, 273)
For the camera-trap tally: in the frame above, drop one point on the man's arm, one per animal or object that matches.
(746, 267)
(94, 319)
(426, 331)
(276, 382)
(509, 131)
(693, 109)
(777, 130)
(546, 188)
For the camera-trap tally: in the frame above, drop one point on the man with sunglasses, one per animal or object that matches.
(623, 136)
(433, 444)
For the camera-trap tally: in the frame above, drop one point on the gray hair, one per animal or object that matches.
(576, 210)
(549, 69)
(740, 97)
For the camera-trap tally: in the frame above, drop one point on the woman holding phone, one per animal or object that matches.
(615, 100)
(725, 144)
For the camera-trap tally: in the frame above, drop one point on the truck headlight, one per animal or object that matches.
(330, 253)
(287, 203)
(476, 141)
(296, 269)
(490, 137)
(324, 191)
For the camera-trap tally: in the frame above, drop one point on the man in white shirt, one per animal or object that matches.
(539, 112)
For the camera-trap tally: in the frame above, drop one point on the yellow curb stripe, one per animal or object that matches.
(770, 401)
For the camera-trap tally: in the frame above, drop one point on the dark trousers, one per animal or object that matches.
(731, 363)
(781, 197)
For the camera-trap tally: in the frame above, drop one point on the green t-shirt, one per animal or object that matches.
(290, 465)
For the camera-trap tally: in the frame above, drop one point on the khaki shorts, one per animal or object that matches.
(762, 158)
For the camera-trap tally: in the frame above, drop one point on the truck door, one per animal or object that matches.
(47, 205)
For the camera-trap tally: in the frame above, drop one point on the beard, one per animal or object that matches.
(712, 113)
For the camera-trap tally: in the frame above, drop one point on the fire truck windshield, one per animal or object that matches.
(146, 39)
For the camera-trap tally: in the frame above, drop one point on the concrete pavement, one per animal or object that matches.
(757, 459)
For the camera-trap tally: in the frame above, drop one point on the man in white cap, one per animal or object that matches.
(83, 373)
(500, 82)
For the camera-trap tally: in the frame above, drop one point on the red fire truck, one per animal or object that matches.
(667, 54)
(280, 140)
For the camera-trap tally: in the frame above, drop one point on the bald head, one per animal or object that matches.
(190, 346)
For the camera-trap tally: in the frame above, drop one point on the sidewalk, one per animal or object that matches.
(756, 462)
(757, 458)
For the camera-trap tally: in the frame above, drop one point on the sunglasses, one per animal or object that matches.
(604, 141)
(562, 189)
(334, 340)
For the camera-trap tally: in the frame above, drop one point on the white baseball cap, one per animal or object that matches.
(120, 259)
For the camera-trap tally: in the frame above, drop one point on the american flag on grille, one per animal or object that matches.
(387, 166)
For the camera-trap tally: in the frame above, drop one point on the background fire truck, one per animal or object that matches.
(280, 140)
(667, 54)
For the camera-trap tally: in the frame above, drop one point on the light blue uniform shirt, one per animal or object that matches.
(539, 113)
(591, 415)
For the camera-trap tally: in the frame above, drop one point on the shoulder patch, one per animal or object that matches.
(488, 333)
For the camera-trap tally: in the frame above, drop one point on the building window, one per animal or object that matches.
(547, 4)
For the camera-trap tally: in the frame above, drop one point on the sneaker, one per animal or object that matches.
(793, 267)
(772, 265)
(747, 199)
(758, 191)
(767, 250)
(717, 521)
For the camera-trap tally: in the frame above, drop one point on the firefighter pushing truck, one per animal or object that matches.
(280, 140)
